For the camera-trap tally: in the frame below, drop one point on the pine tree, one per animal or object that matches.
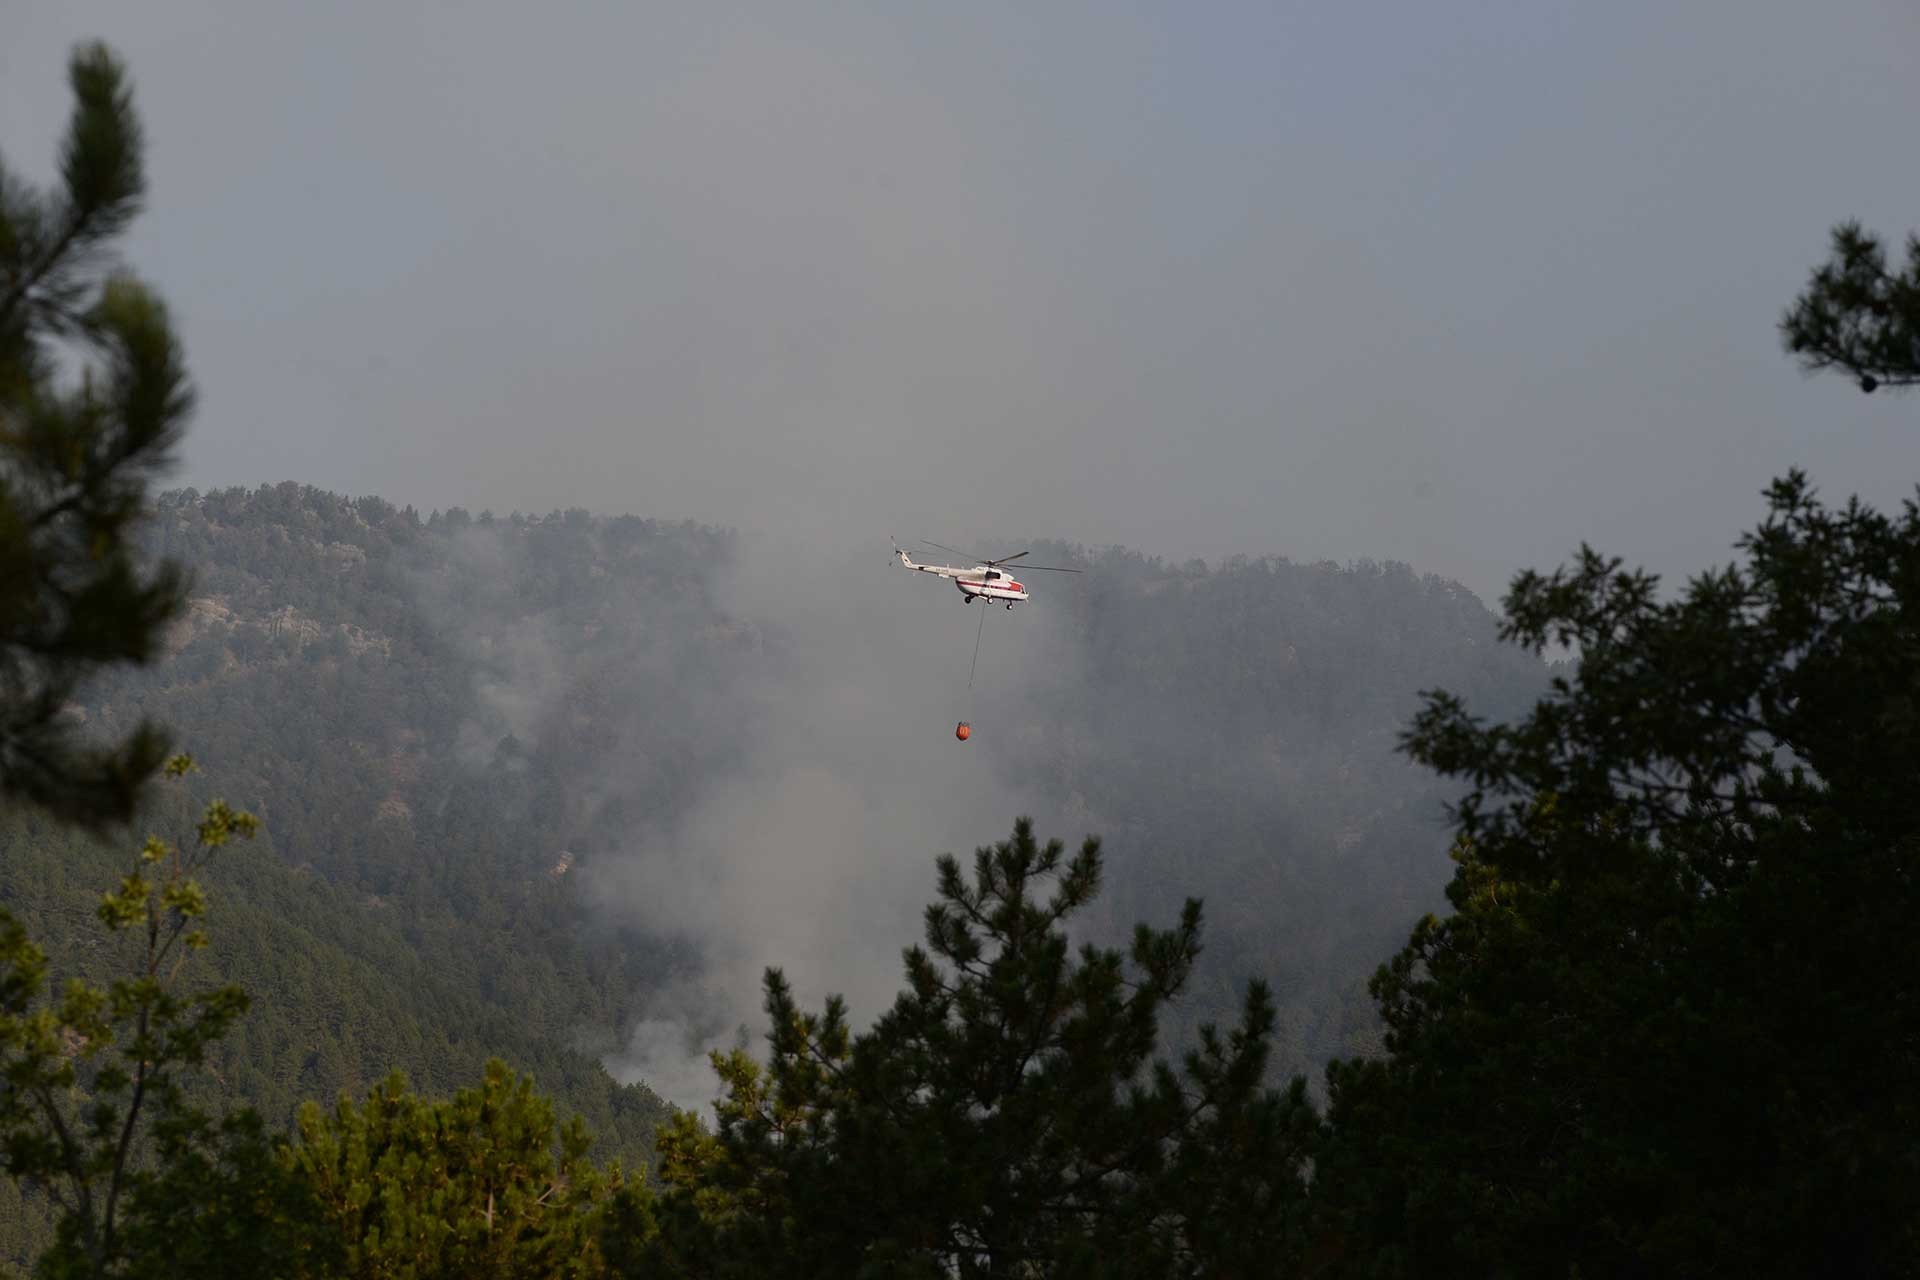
(1006, 1116)
(77, 459)
(484, 1184)
(91, 1072)
(1670, 1026)
(1859, 316)
(220, 1200)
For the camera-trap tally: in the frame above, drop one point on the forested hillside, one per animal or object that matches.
(407, 906)
(1232, 733)
(423, 710)
(336, 674)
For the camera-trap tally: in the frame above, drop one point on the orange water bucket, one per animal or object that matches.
(963, 731)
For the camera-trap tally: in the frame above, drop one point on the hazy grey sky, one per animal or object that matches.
(1455, 284)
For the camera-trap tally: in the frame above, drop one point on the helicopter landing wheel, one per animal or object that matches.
(1009, 608)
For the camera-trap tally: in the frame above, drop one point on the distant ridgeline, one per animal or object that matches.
(410, 702)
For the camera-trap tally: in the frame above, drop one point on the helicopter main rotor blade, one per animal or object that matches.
(1002, 560)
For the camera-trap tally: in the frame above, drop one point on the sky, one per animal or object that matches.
(1458, 285)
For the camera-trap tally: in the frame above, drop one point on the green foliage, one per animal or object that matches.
(1668, 1027)
(1004, 1118)
(480, 1185)
(1859, 316)
(90, 1071)
(76, 461)
(99, 1115)
(221, 1201)
(339, 995)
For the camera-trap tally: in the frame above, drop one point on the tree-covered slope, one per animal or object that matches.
(1233, 731)
(412, 906)
(444, 720)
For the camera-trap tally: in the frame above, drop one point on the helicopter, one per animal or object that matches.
(986, 580)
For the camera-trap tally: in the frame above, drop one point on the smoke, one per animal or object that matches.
(815, 854)
(752, 742)
(520, 677)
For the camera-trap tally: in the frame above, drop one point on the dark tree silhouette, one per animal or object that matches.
(1858, 315)
(77, 457)
(1670, 1025)
(1005, 1118)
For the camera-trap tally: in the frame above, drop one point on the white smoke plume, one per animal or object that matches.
(816, 854)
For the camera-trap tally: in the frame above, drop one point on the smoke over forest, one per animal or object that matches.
(645, 761)
(811, 849)
(482, 926)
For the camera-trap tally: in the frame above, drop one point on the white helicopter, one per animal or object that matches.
(985, 581)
